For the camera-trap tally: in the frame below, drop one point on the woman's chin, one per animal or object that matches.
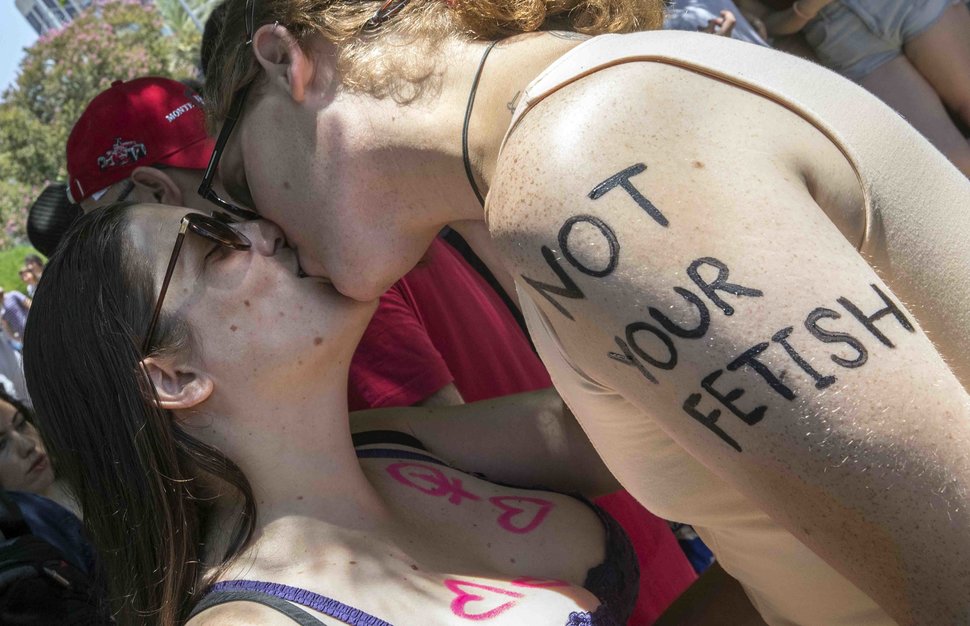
(356, 286)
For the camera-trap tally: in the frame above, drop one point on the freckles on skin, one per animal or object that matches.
(233, 328)
(246, 302)
(317, 341)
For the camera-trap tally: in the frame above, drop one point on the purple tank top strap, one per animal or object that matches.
(309, 599)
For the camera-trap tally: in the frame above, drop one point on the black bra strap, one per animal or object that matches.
(288, 609)
(468, 118)
(377, 437)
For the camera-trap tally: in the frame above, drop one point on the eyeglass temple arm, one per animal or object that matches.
(231, 118)
(161, 294)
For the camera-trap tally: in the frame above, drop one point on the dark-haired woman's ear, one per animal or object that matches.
(286, 65)
(177, 386)
(158, 184)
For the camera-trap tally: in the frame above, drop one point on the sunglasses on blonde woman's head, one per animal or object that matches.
(208, 228)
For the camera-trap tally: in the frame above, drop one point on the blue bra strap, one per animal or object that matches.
(295, 613)
(309, 599)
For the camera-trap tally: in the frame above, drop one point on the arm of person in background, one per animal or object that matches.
(794, 18)
(722, 25)
(529, 439)
(396, 364)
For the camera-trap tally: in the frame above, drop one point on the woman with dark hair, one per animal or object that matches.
(195, 399)
(24, 465)
(711, 243)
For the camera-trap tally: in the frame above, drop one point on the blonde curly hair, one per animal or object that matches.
(393, 60)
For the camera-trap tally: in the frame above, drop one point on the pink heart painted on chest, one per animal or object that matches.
(521, 514)
(487, 602)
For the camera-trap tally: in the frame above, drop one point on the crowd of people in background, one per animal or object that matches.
(416, 351)
(14, 308)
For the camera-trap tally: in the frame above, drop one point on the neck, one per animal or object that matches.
(429, 132)
(299, 458)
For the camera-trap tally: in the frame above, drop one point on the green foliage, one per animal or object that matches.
(11, 260)
(62, 72)
(15, 197)
(188, 37)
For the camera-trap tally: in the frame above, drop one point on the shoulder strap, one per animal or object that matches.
(376, 437)
(288, 609)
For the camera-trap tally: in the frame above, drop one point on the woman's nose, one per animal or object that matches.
(265, 236)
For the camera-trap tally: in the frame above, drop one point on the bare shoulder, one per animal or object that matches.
(675, 130)
(240, 614)
(692, 252)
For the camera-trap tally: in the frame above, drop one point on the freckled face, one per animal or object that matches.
(253, 320)
(24, 465)
(322, 176)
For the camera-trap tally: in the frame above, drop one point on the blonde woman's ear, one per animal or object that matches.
(176, 386)
(285, 63)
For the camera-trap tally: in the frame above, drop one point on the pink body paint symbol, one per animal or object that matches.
(488, 601)
(522, 515)
(538, 583)
(430, 480)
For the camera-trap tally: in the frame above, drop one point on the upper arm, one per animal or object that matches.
(527, 439)
(685, 261)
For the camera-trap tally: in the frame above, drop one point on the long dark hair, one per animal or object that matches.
(136, 473)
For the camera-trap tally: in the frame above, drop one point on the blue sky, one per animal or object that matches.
(15, 35)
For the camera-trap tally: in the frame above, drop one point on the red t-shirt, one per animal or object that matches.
(443, 323)
(439, 324)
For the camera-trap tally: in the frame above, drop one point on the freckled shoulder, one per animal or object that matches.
(686, 251)
(686, 129)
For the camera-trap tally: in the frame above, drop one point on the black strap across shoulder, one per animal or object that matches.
(288, 609)
(377, 437)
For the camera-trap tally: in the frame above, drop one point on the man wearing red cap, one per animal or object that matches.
(141, 140)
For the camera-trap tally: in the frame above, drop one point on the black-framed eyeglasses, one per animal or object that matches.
(207, 227)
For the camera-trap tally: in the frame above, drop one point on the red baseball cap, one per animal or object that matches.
(145, 121)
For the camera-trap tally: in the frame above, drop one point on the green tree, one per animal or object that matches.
(62, 72)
